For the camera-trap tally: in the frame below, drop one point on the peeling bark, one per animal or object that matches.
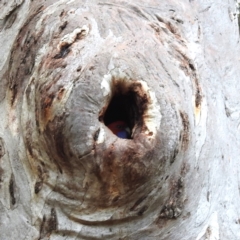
(169, 70)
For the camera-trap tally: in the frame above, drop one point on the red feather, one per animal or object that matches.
(117, 126)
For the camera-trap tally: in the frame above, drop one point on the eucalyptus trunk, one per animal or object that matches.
(168, 69)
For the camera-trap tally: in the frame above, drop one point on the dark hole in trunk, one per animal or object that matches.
(124, 107)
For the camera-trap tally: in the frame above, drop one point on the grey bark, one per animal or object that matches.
(64, 174)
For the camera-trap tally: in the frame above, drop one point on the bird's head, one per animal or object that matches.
(120, 128)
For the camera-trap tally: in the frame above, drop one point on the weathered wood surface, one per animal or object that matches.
(64, 175)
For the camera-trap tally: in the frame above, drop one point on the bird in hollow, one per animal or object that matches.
(120, 128)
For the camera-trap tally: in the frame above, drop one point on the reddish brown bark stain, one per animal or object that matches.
(198, 97)
(46, 104)
(54, 60)
(63, 26)
(29, 146)
(39, 182)
(185, 134)
(49, 224)
(24, 52)
(49, 94)
(185, 169)
(60, 93)
(38, 187)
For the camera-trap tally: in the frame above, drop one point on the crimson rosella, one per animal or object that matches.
(120, 129)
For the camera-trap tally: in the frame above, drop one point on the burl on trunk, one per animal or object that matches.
(117, 119)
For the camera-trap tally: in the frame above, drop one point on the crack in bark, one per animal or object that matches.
(12, 190)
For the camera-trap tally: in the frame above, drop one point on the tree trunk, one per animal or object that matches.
(169, 70)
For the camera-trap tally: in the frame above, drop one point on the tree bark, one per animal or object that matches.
(169, 69)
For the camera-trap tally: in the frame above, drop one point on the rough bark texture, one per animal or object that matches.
(173, 66)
